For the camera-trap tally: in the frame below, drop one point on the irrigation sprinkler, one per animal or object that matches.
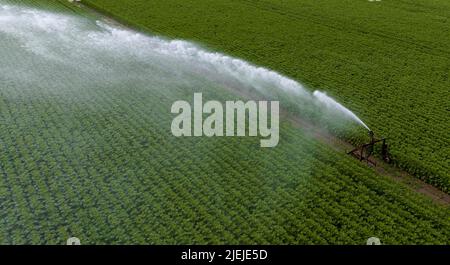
(365, 151)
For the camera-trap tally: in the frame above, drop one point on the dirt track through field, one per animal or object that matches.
(382, 167)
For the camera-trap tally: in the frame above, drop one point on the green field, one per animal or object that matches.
(87, 151)
(388, 61)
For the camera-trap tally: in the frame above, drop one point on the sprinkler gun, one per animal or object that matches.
(372, 136)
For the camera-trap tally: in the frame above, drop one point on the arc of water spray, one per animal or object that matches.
(34, 27)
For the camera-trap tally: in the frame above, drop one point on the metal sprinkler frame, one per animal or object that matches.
(365, 151)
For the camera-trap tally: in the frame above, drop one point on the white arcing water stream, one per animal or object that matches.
(58, 51)
(333, 105)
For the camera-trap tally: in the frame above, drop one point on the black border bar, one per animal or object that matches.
(83, 254)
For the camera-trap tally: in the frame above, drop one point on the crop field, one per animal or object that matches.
(86, 148)
(389, 61)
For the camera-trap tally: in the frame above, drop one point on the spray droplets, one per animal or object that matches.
(97, 51)
(335, 106)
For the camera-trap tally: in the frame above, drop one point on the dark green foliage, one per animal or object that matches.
(388, 61)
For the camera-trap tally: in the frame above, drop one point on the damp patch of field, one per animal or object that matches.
(388, 61)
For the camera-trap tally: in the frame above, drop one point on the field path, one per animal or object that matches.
(382, 167)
